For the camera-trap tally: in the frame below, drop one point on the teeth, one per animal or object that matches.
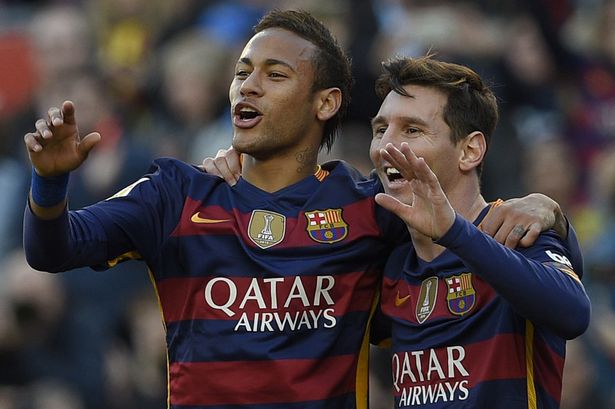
(392, 171)
(247, 110)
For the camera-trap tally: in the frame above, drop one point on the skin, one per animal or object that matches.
(274, 76)
(416, 125)
(517, 222)
(56, 148)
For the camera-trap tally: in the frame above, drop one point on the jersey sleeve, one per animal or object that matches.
(539, 282)
(131, 224)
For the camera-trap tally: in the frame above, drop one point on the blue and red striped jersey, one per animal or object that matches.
(481, 325)
(266, 297)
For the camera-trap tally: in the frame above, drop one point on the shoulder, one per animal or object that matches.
(171, 168)
(550, 248)
(340, 170)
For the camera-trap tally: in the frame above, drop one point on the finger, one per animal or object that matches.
(208, 166)
(68, 113)
(492, 222)
(421, 170)
(394, 206)
(42, 127)
(234, 162)
(221, 153)
(514, 236)
(223, 170)
(88, 142)
(505, 230)
(397, 159)
(32, 142)
(54, 116)
(531, 235)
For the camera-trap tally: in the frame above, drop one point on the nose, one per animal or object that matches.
(251, 85)
(388, 136)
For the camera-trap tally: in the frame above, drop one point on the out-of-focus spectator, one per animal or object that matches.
(33, 344)
(448, 27)
(133, 67)
(136, 362)
(196, 73)
(126, 32)
(580, 379)
(62, 41)
(230, 22)
(51, 394)
(550, 166)
(17, 78)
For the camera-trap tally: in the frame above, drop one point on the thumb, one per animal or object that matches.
(88, 142)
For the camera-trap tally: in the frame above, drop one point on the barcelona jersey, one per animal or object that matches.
(481, 326)
(266, 297)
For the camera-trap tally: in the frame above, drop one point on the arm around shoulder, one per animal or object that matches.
(539, 282)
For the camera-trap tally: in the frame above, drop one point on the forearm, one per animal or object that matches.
(541, 293)
(46, 241)
(47, 197)
(60, 244)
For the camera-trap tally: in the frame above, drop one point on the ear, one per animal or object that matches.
(473, 150)
(328, 102)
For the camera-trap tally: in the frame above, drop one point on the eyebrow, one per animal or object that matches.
(268, 62)
(405, 119)
(376, 120)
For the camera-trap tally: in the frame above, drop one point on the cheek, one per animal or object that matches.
(374, 151)
(233, 89)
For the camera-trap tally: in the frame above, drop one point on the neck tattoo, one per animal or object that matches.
(306, 158)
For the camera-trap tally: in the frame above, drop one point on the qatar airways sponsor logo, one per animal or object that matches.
(430, 376)
(275, 304)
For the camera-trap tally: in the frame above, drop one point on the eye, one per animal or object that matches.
(379, 131)
(241, 74)
(412, 130)
(276, 75)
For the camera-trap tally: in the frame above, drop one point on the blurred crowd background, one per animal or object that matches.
(152, 77)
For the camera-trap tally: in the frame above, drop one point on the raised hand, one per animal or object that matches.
(430, 212)
(55, 147)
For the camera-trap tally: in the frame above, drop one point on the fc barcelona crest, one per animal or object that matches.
(266, 228)
(461, 296)
(326, 226)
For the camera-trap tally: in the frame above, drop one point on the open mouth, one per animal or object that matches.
(393, 175)
(246, 116)
(248, 113)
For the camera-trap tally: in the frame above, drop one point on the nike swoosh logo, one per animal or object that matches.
(198, 219)
(399, 301)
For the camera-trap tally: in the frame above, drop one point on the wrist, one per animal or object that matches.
(48, 191)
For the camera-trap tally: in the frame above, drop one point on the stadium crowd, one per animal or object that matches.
(152, 78)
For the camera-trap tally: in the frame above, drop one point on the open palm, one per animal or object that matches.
(430, 212)
(55, 147)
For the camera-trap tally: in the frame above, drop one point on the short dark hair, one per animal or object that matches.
(332, 67)
(471, 105)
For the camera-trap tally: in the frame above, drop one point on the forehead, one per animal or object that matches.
(423, 102)
(278, 44)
